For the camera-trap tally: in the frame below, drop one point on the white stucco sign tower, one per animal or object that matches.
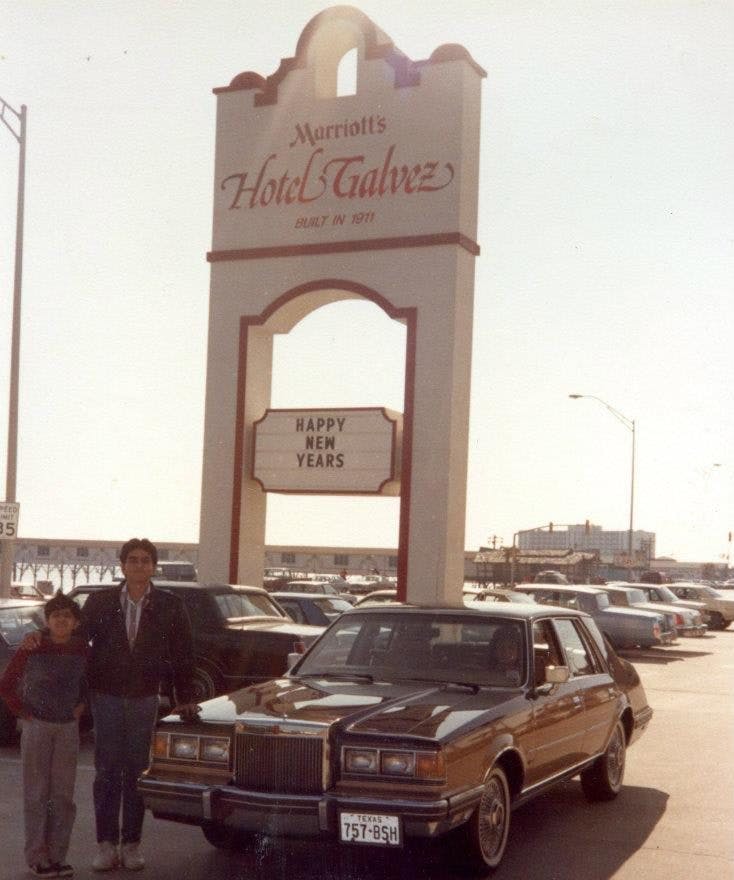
(320, 197)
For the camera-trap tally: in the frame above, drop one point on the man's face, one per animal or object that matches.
(138, 568)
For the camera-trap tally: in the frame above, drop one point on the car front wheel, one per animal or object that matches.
(603, 780)
(484, 837)
(204, 685)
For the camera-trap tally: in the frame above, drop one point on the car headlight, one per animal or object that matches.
(184, 747)
(398, 763)
(428, 766)
(215, 749)
(361, 760)
(190, 747)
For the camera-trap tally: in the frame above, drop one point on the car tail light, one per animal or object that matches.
(679, 620)
(299, 647)
(656, 630)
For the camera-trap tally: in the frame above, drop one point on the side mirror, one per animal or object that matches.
(557, 674)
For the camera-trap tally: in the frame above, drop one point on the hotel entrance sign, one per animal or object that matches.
(319, 197)
(328, 451)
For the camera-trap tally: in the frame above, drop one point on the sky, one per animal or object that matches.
(606, 227)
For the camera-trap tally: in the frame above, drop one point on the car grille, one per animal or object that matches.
(277, 763)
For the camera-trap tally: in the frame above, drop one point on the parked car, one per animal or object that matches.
(360, 585)
(175, 570)
(682, 621)
(309, 608)
(719, 606)
(494, 594)
(240, 635)
(377, 597)
(689, 621)
(624, 627)
(405, 722)
(18, 617)
(321, 588)
(663, 593)
(550, 577)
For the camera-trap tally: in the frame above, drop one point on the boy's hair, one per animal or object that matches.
(60, 602)
(139, 544)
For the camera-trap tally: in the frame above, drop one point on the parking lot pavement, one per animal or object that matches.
(672, 820)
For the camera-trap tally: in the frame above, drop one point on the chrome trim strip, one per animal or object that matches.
(571, 771)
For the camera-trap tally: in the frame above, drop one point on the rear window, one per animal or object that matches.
(234, 605)
(332, 607)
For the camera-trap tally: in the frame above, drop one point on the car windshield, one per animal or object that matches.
(15, 623)
(246, 605)
(446, 647)
(661, 594)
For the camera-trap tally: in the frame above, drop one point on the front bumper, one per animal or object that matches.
(290, 815)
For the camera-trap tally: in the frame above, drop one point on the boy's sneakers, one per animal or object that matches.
(44, 870)
(62, 870)
(106, 858)
(131, 858)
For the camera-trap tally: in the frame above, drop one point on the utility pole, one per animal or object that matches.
(12, 119)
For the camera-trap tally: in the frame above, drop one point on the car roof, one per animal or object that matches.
(308, 581)
(21, 602)
(181, 585)
(560, 588)
(525, 610)
(311, 597)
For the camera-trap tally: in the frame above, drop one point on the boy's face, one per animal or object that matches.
(61, 624)
(138, 568)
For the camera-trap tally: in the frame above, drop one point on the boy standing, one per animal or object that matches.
(46, 688)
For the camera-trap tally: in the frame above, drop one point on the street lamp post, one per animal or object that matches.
(630, 425)
(15, 122)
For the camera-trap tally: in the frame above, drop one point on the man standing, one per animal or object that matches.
(134, 629)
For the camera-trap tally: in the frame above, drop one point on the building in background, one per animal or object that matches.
(611, 546)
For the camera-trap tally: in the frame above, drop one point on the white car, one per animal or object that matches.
(719, 607)
(687, 621)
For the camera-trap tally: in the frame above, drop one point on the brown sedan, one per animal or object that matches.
(407, 722)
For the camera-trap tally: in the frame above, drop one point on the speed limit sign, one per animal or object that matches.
(9, 511)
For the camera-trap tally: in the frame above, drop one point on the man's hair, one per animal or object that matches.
(61, 602)
(138, 544)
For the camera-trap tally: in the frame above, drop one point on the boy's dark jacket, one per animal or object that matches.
(164, 637)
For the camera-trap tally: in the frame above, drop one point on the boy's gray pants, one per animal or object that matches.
(48, 754)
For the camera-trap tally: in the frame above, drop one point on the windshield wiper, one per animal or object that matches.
(347, 676)
(474, 688)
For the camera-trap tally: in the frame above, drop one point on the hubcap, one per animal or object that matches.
(615, 758)
(492, 819)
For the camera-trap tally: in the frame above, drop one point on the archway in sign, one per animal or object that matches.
(346, 354)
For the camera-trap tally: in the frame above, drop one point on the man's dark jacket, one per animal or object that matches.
(163, 642)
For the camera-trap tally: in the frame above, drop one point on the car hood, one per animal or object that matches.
(413, 709)
(304, 631)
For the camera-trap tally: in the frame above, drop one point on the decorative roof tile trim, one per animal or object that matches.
(407, 72)
(341, 247)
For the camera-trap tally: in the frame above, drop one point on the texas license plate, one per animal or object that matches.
(370, 828)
